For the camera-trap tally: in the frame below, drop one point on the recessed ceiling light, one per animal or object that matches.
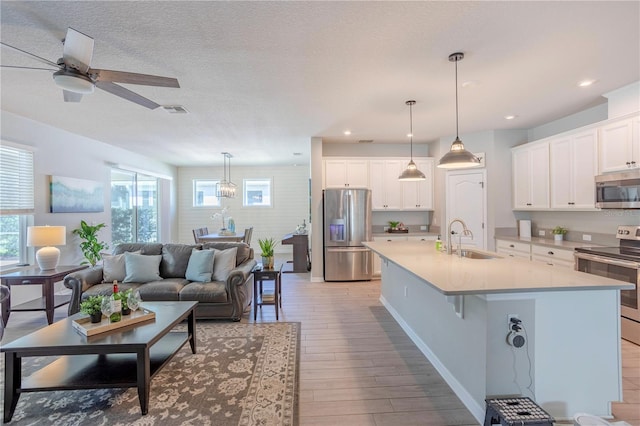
(347, 132)
(510, 117)
(586, 83)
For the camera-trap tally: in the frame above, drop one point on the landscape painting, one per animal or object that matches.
(70, 195)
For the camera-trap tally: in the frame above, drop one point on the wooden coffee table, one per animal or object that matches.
(127, 357)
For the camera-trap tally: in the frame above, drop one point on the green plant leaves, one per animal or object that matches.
(91, 247)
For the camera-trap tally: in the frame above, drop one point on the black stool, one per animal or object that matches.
(515, 411)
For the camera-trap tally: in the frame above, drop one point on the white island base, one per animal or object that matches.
(570, 363)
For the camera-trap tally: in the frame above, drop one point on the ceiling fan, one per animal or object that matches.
(74, 75)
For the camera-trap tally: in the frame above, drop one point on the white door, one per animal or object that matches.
(466, 195)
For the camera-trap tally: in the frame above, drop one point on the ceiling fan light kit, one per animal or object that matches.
(411, 173)
(458, 156)
(76, 83)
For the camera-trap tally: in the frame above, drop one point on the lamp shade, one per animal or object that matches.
(47, 237)
(411, 173)
(41, 236)
(458, 157)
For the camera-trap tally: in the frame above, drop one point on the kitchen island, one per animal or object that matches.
(456, 309)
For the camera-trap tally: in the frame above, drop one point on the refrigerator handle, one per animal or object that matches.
(348, 226)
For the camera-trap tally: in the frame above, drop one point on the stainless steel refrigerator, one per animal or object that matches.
(347, 223)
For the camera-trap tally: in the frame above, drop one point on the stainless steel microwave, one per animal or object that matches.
(618, 190)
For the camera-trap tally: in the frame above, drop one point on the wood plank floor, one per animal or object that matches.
(358, 367)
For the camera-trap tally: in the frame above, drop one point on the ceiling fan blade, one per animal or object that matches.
(27, 68)
(36, 57)
(127, 94)
(133, 78)
(71, 96)
(78, 50)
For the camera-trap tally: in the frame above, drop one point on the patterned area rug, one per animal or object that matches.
(242, 374)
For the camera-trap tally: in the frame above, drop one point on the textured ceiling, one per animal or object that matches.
(259, 79)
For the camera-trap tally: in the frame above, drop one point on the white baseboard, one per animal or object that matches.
(476, 409)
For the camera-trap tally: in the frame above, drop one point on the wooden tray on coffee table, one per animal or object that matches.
(86, 327)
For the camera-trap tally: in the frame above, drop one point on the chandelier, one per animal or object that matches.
(225, 188)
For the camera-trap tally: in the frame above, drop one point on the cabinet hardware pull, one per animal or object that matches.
(550, 252)
(633, 162)
(628, 164)
(528, 204)
(511, 245)
(26, 281)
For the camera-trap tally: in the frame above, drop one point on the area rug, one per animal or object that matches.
(242, 374)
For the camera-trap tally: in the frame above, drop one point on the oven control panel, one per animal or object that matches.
(628, 232)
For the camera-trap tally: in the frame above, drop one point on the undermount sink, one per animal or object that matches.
(470, 254)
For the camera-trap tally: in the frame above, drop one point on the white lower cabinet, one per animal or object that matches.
(377, 263)
(513, 249)
(553, 256)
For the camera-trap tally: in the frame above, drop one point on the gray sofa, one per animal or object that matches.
(222, 299)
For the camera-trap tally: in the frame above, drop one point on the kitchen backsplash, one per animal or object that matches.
(572, 235)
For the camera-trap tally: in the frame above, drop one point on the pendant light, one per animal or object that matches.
(457, 157)
(225, 188)
(411, 173)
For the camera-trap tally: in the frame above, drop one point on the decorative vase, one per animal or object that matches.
(267, 262)
(558, 237)
(96, 317)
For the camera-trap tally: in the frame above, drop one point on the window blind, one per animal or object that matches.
(16, 181)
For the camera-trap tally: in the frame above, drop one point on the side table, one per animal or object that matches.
(261, 274)
(36, 276)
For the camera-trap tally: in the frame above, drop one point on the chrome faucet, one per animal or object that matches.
(465, 231)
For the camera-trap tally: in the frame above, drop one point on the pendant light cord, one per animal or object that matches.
(411, 128)
(457, 99)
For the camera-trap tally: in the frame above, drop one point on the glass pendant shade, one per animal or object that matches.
(457, 157)
(411, 173)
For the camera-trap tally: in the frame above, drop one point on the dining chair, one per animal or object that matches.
(5, 292)
(247, 235)
(199, 232)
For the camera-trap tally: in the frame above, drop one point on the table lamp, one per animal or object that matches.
(47, 237)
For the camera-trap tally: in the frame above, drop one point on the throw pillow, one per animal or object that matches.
(113, 267)
(224, 262)
(200, 266)
(141, 268)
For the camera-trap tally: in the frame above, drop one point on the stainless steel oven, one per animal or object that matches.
(620, 263)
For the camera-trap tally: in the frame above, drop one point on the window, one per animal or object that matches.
(16, 203)
(257, 192)
(134, 207)
(204, 193)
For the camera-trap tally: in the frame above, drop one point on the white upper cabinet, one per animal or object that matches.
(386, 191)
(573, 165)
(419, 195)
(341, 173)
(530, 176)
(619, 146)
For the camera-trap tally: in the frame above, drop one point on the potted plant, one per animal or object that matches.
(393, 225)
(267, 245)
(92, 306)
(124, 299)
(90, 246)
(558, 232)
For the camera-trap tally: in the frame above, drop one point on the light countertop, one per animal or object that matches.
(452, 275)
(569, 245)
(406, 234)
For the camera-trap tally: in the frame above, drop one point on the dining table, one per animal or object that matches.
(217, 237)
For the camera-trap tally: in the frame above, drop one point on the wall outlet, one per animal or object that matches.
(423, 227)
(541, 233)
(509, 323)
(586, 237)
